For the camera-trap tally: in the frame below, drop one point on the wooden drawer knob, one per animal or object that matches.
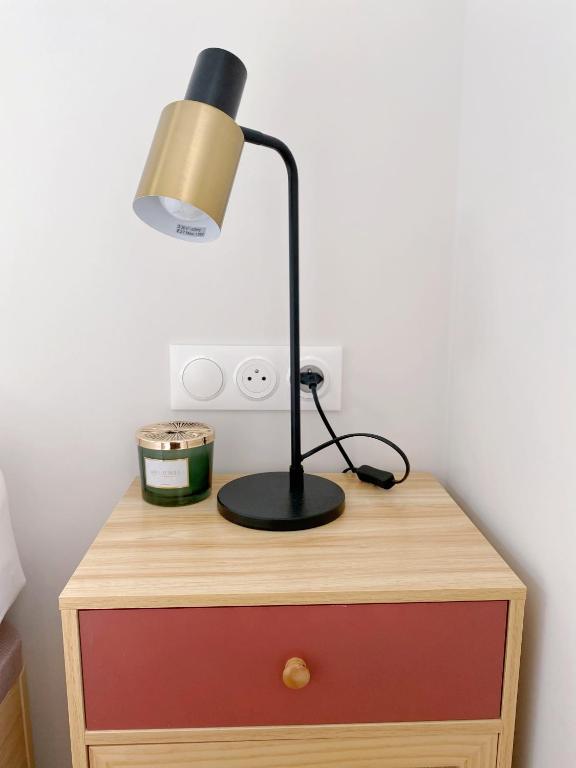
(296, 674)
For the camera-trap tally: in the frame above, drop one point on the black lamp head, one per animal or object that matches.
(218, 79)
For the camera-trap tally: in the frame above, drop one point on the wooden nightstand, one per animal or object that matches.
(389, 638)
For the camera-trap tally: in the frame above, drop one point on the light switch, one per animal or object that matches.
(202, 378)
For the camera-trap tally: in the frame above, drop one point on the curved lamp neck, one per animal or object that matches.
(256, 137)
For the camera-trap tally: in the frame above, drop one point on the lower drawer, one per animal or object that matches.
(415, 751)
(211, 667)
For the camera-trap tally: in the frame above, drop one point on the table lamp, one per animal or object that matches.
(183, 192)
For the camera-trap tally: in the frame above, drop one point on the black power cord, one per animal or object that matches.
(347, 459)
(366, 473)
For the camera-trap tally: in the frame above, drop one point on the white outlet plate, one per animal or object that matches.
(229, 358)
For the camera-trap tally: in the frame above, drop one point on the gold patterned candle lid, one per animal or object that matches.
(174, 435)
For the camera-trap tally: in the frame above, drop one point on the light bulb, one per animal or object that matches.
(181, 210)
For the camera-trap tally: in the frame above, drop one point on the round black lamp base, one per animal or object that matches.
(265, 501)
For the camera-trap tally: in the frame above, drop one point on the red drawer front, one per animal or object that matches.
(204, 667)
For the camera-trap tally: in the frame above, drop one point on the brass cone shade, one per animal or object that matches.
(190, 170)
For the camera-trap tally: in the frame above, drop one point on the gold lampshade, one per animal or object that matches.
(190, 170)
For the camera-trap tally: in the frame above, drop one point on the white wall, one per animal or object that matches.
(512, 458)
(366, 94)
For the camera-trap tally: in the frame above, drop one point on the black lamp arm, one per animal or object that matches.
(262, 139)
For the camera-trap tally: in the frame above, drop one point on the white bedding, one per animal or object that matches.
(11, 575)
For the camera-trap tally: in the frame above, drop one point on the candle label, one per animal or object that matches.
(166, 474)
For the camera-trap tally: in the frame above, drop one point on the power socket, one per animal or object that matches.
(256, 378)
(312, 369)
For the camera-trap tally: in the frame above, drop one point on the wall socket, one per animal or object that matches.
(237, 378)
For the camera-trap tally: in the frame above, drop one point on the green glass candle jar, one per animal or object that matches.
(175, 462)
